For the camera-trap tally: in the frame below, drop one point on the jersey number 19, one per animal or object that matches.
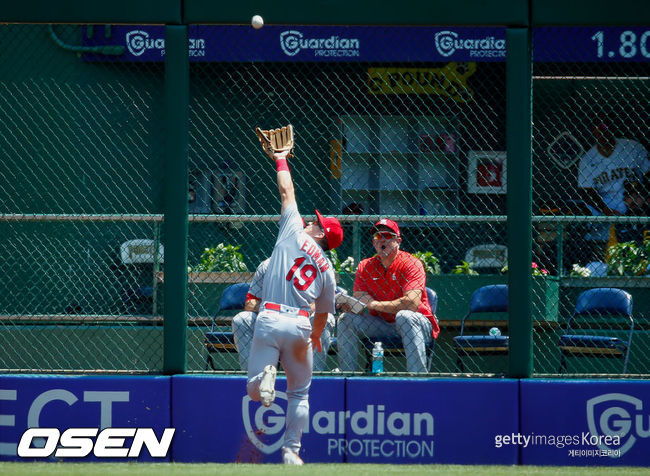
(302, 276)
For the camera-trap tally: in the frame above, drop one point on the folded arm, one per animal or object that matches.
(409, 302)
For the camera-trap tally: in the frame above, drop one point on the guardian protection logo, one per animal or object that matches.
(449, 42)
(373, 432)
(138, 41)
(266, 423)
(618, 414)
(293, 42)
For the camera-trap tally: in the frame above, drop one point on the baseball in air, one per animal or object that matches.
(257, 22)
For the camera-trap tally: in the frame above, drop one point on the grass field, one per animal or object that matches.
(117, 469)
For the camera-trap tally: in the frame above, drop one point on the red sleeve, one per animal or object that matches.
(414, 275)
(416, 278)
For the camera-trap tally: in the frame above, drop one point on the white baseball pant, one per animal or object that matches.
(284, 337)
(243, 325)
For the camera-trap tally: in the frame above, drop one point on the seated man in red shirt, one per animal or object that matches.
(392, 284)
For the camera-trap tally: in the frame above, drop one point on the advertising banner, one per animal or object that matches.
(417, 421)
(301, 43)
(351, 420)
(216, 421)
(82, 418)
(583, 423)
(416, 44)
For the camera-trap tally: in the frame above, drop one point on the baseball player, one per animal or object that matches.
(602, 174)
(299, 273)
(243, 323)
(606, 166)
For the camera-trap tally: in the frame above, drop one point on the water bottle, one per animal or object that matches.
(495, 332)
(377, 359)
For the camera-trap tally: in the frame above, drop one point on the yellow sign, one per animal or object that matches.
(449, 81)
(335, 159)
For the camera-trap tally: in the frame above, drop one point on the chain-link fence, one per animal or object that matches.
(591, 126)
(399, 130)
(81, 183)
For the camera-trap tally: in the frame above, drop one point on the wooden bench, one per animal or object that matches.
(101, 319)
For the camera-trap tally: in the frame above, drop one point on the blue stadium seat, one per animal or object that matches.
(486, 299)
(598, 309)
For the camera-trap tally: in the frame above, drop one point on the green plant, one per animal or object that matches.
(628, 258)
(346, 266)
(464, 268)
(222, 257)
(430, 262)
(534, 268)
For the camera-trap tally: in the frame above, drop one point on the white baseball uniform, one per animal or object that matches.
(607, 175)
(299, 273)
(243, 325)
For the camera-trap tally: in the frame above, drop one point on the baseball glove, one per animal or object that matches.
(276, 140)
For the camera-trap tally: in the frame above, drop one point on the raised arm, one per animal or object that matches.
(285, 182)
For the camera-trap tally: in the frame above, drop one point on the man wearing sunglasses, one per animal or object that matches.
(392, 285)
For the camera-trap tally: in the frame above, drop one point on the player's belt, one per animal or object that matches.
(285, 309)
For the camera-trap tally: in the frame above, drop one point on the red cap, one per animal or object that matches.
(332, 228)
(390, 224)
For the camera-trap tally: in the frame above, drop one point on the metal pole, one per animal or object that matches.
(519, 199)
(560, 249)
(175, 198)
(156, 267)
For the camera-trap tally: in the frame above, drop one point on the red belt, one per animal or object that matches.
(276, 307)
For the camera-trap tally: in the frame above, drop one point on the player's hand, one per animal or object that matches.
(315, 342)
